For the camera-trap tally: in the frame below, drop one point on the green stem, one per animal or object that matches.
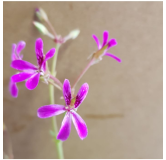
(53, 69)
(58, 143)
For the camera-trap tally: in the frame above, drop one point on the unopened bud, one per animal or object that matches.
(41, 28)
(73, 34)
(40, 13)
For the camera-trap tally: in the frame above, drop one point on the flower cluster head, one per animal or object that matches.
(42, 16)
(28, 71)
(103, 48)
(72, 104)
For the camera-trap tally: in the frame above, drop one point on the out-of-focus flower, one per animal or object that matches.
(102, 48)
(41, 14)
(16, 50)
(72, 103)
(29, 71)
(16, 55)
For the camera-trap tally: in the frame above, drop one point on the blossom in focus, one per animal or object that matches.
(72, 103)
(30, 72)
(16, 55)
(102, 48)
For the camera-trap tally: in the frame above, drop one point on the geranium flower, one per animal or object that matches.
(102, 48)
(30, 72)
(16, 50)
(72, 103)
(15, 55)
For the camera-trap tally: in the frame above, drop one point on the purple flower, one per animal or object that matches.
(16, 50)
(102, 48)
(15, 55)
(13, 88)
(72, 103)
(30, 72)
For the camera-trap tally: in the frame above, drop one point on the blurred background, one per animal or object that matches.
(124, 106)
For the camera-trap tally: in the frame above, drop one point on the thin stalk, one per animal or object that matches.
(58, 143)
(83, 72)
(51, 27)
(55, 85)
(56, 80)
(53, 69)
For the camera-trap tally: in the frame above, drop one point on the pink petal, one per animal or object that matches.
(22, 65)
(33, 81)
(13, 89)
(39, 51)
(50, 54)
(112, 43)
(20, 46)
(80, 125)
(44, 66)
(97, 41)
(21, 76)
(14, 47)
(113, 56)
(105, 38)
(65, 129)
(13, 56)
(50, 110)
(81, 95)
(21, 56)
(67, 92)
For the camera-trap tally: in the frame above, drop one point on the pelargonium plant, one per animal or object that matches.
(32, 74)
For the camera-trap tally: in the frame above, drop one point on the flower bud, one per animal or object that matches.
(40, 13)
(73, 34)
(41, 28)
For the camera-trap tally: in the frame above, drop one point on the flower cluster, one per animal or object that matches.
(30, 73)
(42, 16)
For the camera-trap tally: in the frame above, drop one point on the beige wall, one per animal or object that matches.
(124, 106)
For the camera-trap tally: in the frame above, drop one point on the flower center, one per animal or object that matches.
(71, 106)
